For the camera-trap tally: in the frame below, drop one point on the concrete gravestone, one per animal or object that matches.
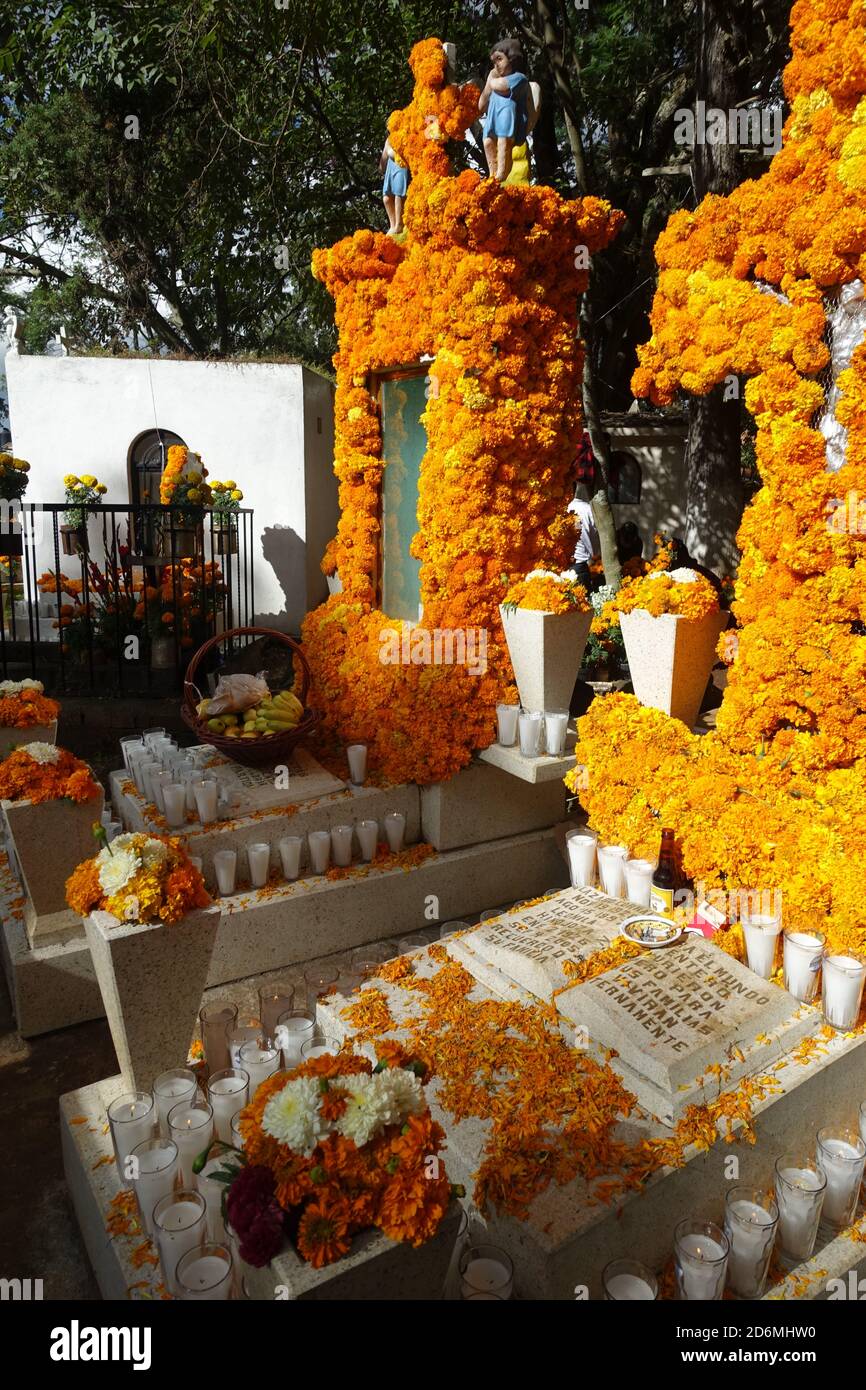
(251, 789)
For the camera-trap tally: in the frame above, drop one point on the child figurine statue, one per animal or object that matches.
(395, 187)
(507, 106)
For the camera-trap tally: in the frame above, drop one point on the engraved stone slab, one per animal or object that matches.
(259, 789)
(529, 944)
(672, 1013)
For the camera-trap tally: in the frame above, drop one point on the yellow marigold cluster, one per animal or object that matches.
(776, 797)
(485, 283)
(659, 593)
(548, 594)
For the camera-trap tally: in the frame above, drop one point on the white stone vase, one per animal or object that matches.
(670, 658)
(546, 650)
(152, 980)
(376, 1267)
(49, 840)
(11, 738)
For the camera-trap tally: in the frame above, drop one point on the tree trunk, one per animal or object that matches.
(714, 502)
(601, 508)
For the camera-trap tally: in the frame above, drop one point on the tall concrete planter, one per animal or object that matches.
(670, 659)
(11, 738)
(49, 840)
(376, 1267)
(152, 980)
(546, 650)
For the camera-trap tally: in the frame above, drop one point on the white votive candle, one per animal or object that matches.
(530, 725)
(213, 1188)
(485, 1269)
(156, 1167)
(180, 1220)
(228, 1092)
(368, 838)
(555, 730)
(160, 781)
(205, 1275)
(357, 756)
(700, 1258)
(750, 1225)
(341, 845)
(225, 863)
(174, 797)
(206, 800)
(802, 962)
(259, 859)
(259, 1062)
(246, 1030)
(841, 1153)
(627, 1281)
(190, 777)
(638, 880)
(132, 1119)
(169, 1089)
(842, 989)
(506, 724)
(320, 850)
(294, 1029)
(290, 856)
(611, 869)
(800, 1189)
(191, 1127)
(581, 848)
(395, 829)
(761, 933)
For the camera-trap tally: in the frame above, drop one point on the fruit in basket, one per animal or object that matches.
(274, 714)
(216, 726)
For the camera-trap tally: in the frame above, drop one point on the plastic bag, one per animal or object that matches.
(236, 693)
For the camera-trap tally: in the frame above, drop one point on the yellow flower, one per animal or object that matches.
(88, 480)
(101, 488)
(194, 495)
(70, 480)
(237, 495)
(193, 477)
(231, 484)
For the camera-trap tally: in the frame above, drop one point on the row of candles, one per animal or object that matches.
(806, 959)
(537, 731)
(810, 1192)
(318, 849)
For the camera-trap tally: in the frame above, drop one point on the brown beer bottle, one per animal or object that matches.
(664, 879)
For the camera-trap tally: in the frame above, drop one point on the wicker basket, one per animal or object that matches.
(259, 752)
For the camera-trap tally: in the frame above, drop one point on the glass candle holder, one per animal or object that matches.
(408, 945)
(180, 1222)
(212, 1188)
(761, 932)
(506, 724)
(155, 1168)
(228, 1092)
(751, 1219)
(190, 1125)
(841, 1154)
(628, 1281)
(319, 1047)
(151, 736)
(274, 1000)
(555, 731)
(530, 725)
(802, 962)
(319, 842)
(174, 798)
(800, 1186)
(842, 977)
(204, 1274)
(581, 847)
(133, 743)
(237, 1138)
(189, 777)
(368, 838)
(247, 1029)
(341, 845)
(206, 793)
(638, 880)
(259, 860)
(318, 981)
(169, 1089)
(112, 830)
(216, 1020)
(485, 1269)
(451, 928)
(611, 869)
(225, 863)
(356, 754)
(260, 1062)
(160, 781)
(131, 1119)
(290, 855)
(395, 829)
(294, 1028)
(700, 1261)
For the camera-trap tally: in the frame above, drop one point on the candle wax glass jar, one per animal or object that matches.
(156, 1167)
(169, 1089)
(802, 961)
(800, 1187)
(629, 1281)
(485, 1269)
(216, 1021)
(842, 980)
(205, 1274)
(180, 1222)
(700, 1261)
(581, 847)
(294, 1028)
(506, 724)
(639, 880)
(131, 1119)
(751, 1219)
(761, 934)
(611, 869)
(841, 1154)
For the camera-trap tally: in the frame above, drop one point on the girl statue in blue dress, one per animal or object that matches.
(395, 187)
(507, 107)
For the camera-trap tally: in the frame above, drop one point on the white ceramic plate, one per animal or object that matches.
(648, 930)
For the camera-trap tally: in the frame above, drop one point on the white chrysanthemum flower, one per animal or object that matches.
(153, 853)
(568, 576)
(41, 752)
(542, 574)
(683, 576)
(376, 1101)
(292, 1116)
(118, 868)
(399, 1094)
(9, 687)
(28, 684)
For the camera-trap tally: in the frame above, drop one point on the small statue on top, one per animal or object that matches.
(394, 188)
(507, 105)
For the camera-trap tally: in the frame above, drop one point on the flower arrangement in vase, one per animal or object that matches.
(226, 499)
(38, 772)
(81, 493)
(183, 488)
(546, 619)
(138, 878)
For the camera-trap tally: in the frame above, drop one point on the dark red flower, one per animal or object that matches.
(255, 1215)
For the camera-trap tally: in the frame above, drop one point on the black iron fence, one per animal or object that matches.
(121, 601)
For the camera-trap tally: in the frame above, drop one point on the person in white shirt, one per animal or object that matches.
(587, 542)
